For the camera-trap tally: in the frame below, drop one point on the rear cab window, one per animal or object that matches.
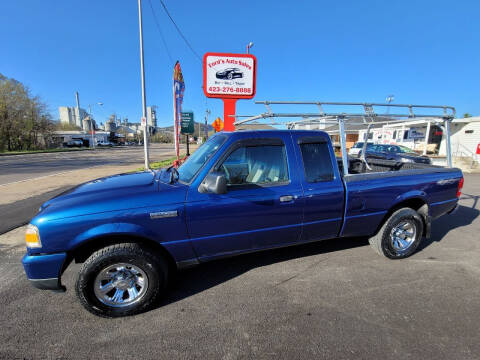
(317, 163)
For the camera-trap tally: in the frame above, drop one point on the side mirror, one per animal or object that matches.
(214, 183)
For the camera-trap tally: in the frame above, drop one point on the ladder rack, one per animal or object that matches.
(361, 113)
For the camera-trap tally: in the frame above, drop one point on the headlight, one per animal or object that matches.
(32, 237)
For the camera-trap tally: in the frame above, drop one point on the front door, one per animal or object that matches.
(262, 208)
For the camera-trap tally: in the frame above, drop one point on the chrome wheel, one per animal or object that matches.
(120, 285)
(403, 236)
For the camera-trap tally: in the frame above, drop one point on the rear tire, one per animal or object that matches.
(400, 235)
(120, 280)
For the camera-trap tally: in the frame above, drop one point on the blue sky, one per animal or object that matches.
(421, 51)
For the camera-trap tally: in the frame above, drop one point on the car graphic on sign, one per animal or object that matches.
(230, 73)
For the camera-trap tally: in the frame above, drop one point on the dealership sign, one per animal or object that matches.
(229, 77)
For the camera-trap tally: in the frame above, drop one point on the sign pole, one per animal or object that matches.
(229, 114)
(188, 145)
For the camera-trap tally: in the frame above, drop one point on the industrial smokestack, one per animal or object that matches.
(78, 121)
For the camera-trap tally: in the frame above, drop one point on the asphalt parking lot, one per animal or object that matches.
(335, 300)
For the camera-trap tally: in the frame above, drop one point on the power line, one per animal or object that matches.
(179, 31)
(160, 31)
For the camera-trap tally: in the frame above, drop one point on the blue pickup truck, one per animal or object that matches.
(239, 192)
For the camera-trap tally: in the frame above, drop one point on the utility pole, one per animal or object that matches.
(207, 112)
(144, 102)
(91, 125)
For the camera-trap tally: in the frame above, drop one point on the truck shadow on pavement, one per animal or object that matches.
(205, 276)
(464, 216)
(195, 280)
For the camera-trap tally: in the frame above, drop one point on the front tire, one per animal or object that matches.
(400, 235)
(120, 280)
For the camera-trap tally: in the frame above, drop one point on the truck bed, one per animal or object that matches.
(370, 193)
(357, 166)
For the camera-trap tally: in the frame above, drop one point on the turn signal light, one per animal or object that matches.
(32, 237)
(460, 186)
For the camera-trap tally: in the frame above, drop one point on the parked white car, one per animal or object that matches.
(104, 143)
(74, 143)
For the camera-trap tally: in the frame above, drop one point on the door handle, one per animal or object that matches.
(286, 198)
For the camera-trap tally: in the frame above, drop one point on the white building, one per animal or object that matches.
(152, 116)
(465, 138)
(71, 115)
(62, 137)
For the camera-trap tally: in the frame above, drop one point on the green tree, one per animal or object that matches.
(467, 115)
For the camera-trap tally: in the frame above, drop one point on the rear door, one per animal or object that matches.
(323, 187)
(263, 205)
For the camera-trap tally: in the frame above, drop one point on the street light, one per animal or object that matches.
(91, 121)
(249, 45)
(388, 100)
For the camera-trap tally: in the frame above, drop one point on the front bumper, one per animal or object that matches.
(44, 271)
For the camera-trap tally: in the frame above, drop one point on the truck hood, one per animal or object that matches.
(113, 193)
(110, 183)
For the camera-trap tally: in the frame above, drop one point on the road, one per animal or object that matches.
(335, 299)
(29, 166)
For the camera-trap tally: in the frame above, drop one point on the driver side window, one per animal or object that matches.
(250, 165)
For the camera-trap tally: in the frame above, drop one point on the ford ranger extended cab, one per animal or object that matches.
(239, 192)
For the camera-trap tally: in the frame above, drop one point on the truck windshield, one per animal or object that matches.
(194, 163)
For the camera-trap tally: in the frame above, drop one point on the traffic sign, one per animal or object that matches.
(187, 124)
(218, 124)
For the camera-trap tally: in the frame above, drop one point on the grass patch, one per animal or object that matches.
(159, 164)
(22, 152)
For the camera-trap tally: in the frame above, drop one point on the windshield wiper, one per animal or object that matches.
(173, 173)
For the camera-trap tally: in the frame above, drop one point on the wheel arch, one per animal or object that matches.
(84, 250)
(417, 203)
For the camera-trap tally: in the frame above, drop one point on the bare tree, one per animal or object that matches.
(25, 122)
